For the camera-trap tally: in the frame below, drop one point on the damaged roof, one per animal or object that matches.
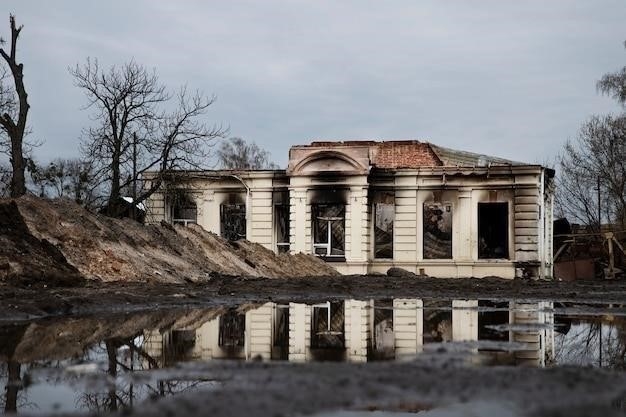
(397, 154)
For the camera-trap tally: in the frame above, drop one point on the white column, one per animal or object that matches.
(464, 320)
(408, 326)
(356, 330)
(356, 242)
(298, 220)
(464, 247)
(299, 329)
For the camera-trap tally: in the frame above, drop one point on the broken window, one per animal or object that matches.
(281, 227)
(329, 230)
(384, 214)
(437, 231)
(384, 338)
(327, 326)
(280, 345)
(180, 346)
(437, 321)
(493, 230)
(232, 330)
(233, 221)
(184, 209)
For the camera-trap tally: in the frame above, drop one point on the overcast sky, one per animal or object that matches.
(509, 78)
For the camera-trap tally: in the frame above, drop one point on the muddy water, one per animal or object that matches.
(94, 364)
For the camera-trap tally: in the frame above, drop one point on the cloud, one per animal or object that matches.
(511, 78)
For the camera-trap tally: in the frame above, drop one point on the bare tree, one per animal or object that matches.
(597, 156)
(614, 84)
(593, 167)
(136, 131)
(14, 111)
(236, 153)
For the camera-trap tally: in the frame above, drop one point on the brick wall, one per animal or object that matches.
(407, 154)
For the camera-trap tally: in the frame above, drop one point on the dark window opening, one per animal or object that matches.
(384, 338)
(233, 221)
(329, 230)
(493, 231)
(281, 226)
(280, 345)
(327, 326)
(437, 231)
(384, 214)
(180, 348)
(184, 209)
(232, 330)
(493, 320)
(437, 321)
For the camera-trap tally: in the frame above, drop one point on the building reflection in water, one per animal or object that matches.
(360, 331)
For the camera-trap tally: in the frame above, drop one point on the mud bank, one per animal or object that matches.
(57, 242)
(20, 303)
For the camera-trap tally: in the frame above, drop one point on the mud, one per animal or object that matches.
(38, 300)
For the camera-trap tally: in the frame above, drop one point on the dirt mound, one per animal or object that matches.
(28, 257)
(57, 238)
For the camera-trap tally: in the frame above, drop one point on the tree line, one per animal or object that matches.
(139, 126)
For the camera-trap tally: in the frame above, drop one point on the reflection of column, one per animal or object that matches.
(540, 340)
(408, 326)
(357, 330)
(299, 332)
(259, 332)
(207, 340)
(464, 320)
(153, 346)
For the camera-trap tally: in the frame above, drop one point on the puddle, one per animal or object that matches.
(92, 364)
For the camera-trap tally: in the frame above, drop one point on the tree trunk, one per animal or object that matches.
(18, 180)
(16, 128)
(14, 383)
(113, 207)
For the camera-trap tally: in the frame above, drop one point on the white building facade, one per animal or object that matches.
(367, 206)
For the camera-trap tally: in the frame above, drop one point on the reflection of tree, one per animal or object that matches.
(14, 384)
(124, 356)
(593, 342)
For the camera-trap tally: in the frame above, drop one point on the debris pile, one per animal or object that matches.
(52, 239)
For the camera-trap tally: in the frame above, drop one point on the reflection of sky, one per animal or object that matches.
(46, 399)
(581, 345)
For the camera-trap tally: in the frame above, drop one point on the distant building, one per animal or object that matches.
(367, 206)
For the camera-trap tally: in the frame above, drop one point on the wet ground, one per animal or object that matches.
(429, 355)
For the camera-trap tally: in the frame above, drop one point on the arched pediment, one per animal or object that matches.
(328, 161)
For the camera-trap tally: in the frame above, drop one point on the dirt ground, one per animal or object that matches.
(27, 302)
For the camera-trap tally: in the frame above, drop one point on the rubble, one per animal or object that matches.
(59, 242)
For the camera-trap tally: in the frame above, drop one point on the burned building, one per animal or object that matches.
(366, 206)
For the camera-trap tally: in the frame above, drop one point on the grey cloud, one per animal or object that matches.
(514, 79)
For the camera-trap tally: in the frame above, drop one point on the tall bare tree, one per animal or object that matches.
(139, 126)
(236, 153)
(14, 110)
(596, 157)
(592, 181)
